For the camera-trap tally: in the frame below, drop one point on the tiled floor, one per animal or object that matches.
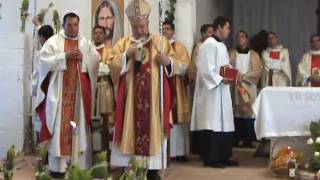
(250, 169)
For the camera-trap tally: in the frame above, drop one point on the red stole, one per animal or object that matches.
(69, 95)
(315, 63)
(274, 55)
(174, 92)
(142, 106)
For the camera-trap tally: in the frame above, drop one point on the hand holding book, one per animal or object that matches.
(229, 74)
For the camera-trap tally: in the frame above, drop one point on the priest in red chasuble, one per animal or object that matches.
(68, 72)
(309, 66)
(277, 69)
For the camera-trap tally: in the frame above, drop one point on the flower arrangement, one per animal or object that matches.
(314, 144)
(42, 13)
(170, 13)
(8, 163)
(41, 169)
(24, 14)
(137, 170)
(56, 21)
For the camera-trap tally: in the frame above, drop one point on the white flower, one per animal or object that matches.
(310, 141)
(318, 140)
(316, 154)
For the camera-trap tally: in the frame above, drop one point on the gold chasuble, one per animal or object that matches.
(181, 107)
(105, 98)
(137, 126)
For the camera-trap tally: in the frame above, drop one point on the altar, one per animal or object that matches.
(283, 114)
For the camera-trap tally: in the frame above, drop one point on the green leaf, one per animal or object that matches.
(11, 154)
(102, 157)
(25, 5)
(100, 171)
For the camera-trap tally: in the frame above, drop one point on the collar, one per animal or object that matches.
(315, 52)
(216, 38)
(277, 48)
(243, 51)
(141, 41)
(63, 34)
(100, 46)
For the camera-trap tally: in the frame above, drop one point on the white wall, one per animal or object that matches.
(16, 63)
(15, 67)
(208, 10)
(80, 7)
(154, 17)
(185, 21)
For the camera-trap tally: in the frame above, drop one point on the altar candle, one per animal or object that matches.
(75, 144)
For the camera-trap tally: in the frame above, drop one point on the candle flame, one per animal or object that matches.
(73, 124)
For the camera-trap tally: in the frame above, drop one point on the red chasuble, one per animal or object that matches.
(70, 84)
(315, 63)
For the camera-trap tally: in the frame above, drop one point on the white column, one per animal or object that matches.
(15, 68)
(81, 7)
(16, 63)
(185, 22)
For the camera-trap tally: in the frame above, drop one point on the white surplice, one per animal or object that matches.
(53, 60)
(212, 104)
(179, 140)
(281, 67)
(304, 68)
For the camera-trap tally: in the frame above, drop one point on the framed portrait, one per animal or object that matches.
(109, 14)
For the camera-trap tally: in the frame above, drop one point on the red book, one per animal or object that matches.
(315, 63)
(275, 55)
(229, 73)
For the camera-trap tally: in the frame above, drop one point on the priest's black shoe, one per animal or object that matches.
(230, 163)
(56, 175)
(248, 145)
(182, 159)
(215, 165)
(153, 175)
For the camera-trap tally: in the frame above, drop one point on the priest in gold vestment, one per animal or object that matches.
(137, 124)
(105, 98)
(179, 137)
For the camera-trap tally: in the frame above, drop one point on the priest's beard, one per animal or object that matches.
(109, 33)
